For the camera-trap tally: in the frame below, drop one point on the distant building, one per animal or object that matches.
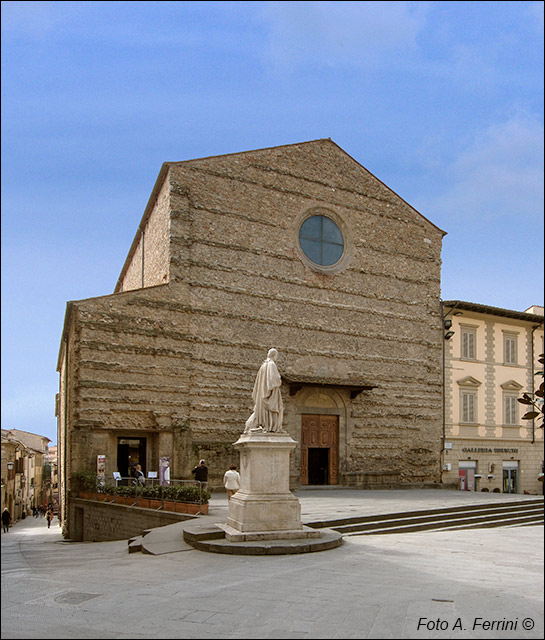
(490, 360)
(22, 464)
(51, 482)
(296, 247)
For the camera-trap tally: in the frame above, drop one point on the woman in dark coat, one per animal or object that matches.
(6, 519)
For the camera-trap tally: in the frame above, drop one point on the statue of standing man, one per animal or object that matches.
(268, 408)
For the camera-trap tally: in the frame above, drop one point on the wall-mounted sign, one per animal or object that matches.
(488, 450)
(101, 466)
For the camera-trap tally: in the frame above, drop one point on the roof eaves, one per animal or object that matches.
(495, 311)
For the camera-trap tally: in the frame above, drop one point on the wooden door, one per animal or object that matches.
(319, 431)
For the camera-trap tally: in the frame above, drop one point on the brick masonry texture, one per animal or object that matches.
(96, 522)
(225, 280)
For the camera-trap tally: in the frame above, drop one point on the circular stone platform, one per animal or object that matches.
(209, 537)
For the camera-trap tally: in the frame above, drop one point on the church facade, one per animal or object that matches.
(296, 247)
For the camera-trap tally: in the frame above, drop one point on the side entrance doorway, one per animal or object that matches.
(319, 449)
(130, 452)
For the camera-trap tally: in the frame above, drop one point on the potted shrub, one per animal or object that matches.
(125, 495)
(142, 499)
(83, 484)
(189, 499)
(155, 496)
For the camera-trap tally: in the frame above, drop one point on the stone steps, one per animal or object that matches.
(209, 537)
(135, 544)
(203, 533)
(524, 512)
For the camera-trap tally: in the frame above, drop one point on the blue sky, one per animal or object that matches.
(442, 101)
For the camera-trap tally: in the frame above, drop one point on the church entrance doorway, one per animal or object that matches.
(319, 449)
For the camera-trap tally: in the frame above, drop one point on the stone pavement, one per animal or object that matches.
(485, 583)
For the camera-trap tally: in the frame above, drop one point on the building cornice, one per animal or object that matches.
(494, 311)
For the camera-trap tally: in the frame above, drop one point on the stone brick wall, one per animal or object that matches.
(376, 319)
(96, 522)
(176, 363)
(148, 261)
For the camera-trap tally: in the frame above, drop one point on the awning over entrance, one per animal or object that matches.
(355, 387)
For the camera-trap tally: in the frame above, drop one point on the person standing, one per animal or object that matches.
(6, 520)
(49, 516)
(201, 473)
(139, 475)
(231, 481)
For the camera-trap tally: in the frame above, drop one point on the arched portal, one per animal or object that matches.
(321, 430)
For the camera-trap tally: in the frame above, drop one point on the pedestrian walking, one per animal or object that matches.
(201, 473)
(231, 481)
(49, 516)
(6, 520)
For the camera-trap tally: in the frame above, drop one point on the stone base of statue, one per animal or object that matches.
(264, 508)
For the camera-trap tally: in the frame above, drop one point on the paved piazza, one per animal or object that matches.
(486, 583)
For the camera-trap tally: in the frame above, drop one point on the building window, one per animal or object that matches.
(510, 410)
(469, 341)
(321, 240)
(468, 407)
(510, 349)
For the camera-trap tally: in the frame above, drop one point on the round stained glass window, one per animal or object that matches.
(321, 240)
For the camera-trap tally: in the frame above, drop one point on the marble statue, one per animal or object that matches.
(268, 408)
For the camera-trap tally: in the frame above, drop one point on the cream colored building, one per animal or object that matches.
(490, 361)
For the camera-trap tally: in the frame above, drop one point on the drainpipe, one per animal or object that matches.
(446, 336)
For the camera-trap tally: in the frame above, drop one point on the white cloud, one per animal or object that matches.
(499, 174)
(330, 33)
(36, 19)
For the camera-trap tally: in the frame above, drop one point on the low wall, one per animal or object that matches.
(93, 521)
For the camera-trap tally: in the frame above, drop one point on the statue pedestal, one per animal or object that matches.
(264, 508)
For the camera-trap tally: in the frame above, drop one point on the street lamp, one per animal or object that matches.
(447, 335)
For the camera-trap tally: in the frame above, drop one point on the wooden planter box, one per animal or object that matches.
(190, 507)
(147, 503)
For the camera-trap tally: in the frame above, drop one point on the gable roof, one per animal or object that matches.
(163, 172)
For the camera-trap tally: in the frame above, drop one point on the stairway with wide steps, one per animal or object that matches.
(523, 513)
